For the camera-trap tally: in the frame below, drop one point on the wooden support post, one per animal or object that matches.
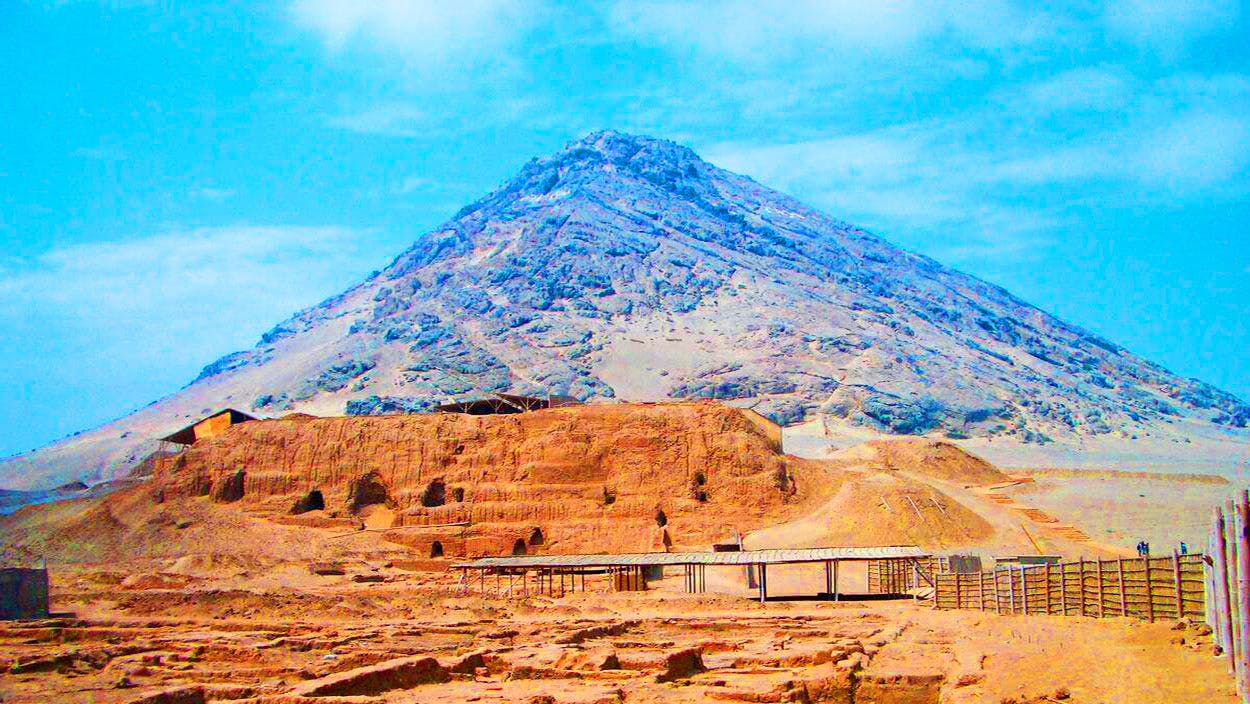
(1011, 591)
(1047, 575)
(837, 595)
(957, 604)
(980, 590)
(1243, 588)
(998, 604)
(829, 578)
(1098, 574)
(1230, 540)
(1124, 602)
(1150, 599)
(1223, 613)
(763, 570)
(1063, 588)
(1176, 579)
(1081, 583)
(1024, 591)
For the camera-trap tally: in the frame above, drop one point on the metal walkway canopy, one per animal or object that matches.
(904, 558)
(744, 557)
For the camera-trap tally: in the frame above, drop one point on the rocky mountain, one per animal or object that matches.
(626, 267)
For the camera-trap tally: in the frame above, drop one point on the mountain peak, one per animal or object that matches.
(639, 154)
(616, 144)
(625, 266)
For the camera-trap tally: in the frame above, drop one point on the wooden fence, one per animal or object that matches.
(899, 575)
(1150, 588)
(1228, 583)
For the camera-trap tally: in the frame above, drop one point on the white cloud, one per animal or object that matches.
(745, 28)
(1168, 27)
(426, 33)
(413, 183)
(176, 300)
(999, 180)
(105, 151)
(1197, 152)
(756, 32)
(1084, 88)
(214, 194)
(390, 119)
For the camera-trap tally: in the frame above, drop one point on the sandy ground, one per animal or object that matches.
(118, 640)
(1122, 511)
(221, 600)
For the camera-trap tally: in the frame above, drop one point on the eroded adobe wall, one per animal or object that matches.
(599, 477)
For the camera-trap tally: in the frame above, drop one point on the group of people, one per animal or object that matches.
(1143, 549)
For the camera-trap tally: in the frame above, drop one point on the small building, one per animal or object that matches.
(210, 426)
(23, 593)
(960, 564)
(498, 404)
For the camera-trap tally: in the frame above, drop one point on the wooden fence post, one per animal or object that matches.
(1230, 539)
(1082, 584)
(1223, 612)
(1176, 576)
(1243, 586)
(998, 604)
(1063, 588)
(1011, 591)
(1024, 591)
(1047, 588)
(1100, 603)
(1124, 602)
(1150, 599)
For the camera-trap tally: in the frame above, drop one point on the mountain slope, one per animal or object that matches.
(626, 267)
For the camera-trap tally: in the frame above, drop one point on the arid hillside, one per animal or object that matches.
(626, 267)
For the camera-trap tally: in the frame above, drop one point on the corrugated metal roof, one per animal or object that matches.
(745, 557)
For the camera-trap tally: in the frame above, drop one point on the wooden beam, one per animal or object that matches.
(1223, 610)
(1124, 602)
(1150, 599)
(1176, 579)
(1243, 586)
(1099, 575)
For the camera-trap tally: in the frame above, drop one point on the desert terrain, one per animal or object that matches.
(220, 577)
(413, 638)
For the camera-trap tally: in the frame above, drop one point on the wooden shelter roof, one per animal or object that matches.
(745, 557)
(495, 404)
(186, 436)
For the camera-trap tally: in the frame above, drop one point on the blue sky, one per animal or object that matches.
(175, 181)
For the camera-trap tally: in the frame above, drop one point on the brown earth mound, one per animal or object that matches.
(625, 478)
(618, 478)
(932, 458)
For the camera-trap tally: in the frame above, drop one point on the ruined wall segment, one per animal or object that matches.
(598, 477)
